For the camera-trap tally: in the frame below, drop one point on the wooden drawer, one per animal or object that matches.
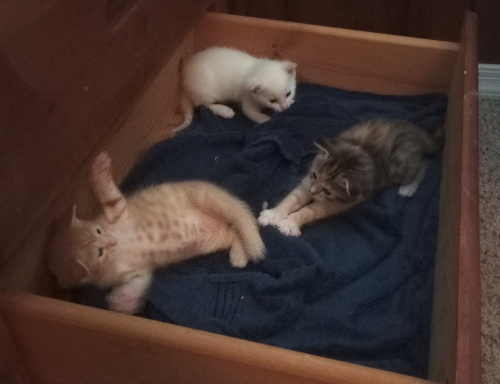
(49, 340)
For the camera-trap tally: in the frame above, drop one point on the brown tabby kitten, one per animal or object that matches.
(154, 227)
(366, 158)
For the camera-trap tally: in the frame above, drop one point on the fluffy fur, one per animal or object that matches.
(223, 75)
(348, 168)
(154, 227)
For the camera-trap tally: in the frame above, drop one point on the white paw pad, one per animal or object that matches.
(288, 228)
(269, 217)
(408, 189)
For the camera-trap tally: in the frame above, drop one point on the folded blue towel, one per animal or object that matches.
(356, 287)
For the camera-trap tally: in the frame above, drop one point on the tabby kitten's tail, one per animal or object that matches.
(432, 141)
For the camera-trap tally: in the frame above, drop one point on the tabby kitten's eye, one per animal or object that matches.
(98, 230)
(314, 175)
(288, 93)
(327, 192)
(272, 101)
(101, 252)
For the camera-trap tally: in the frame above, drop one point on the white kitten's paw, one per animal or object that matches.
(222, 110)
(269, 217)
(288, 227)
(122, 301)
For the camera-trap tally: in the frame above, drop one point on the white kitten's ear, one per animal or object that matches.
(253, 86)
(323, 152)
(291, 68)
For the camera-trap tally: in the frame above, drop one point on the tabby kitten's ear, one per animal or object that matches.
(354, 187)
(323, 152)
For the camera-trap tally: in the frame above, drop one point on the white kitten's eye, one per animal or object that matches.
(272, 101)
(101, 252)
(98, 230)
(288, 94)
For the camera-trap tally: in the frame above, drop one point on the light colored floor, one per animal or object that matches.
(489, 201)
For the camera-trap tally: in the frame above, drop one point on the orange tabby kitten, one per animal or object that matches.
(154, 227)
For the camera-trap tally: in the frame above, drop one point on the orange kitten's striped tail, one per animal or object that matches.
(187, 110)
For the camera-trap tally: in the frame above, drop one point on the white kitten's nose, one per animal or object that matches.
(284, 106)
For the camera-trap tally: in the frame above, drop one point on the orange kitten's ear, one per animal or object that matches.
(60, 254)
(81, 273)
(74, 219)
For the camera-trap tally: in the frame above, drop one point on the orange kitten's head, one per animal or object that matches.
(77, 251)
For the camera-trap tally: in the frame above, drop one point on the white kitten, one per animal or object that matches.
(219, 75)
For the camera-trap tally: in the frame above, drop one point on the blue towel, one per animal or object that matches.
(356, 287)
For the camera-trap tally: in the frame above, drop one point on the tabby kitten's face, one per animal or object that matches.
(341, 172)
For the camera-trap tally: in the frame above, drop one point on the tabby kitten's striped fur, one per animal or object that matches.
(154, 227)
(365, 158)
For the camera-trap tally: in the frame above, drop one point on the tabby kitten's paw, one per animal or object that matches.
(407, 190)
(288, 227)
(269, 217)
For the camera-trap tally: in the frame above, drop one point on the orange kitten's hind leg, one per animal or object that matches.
(237, 254)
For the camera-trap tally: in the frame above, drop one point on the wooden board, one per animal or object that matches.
(456, 342)
(433, 19)
(341, 58)
(68, 70)
(87, 345)
(54, 336)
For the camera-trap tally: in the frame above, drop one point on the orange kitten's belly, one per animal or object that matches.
(160, 244)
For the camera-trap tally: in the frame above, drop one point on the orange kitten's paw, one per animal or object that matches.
(120, 300)
(288, 228)
(102, 164)
(269, 217)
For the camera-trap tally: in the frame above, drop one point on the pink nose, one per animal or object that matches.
(284, 106)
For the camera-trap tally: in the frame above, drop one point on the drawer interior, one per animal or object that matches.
(350, 60)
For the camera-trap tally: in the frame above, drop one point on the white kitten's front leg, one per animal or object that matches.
(253, 112)
(128, 298)
(222, 110)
